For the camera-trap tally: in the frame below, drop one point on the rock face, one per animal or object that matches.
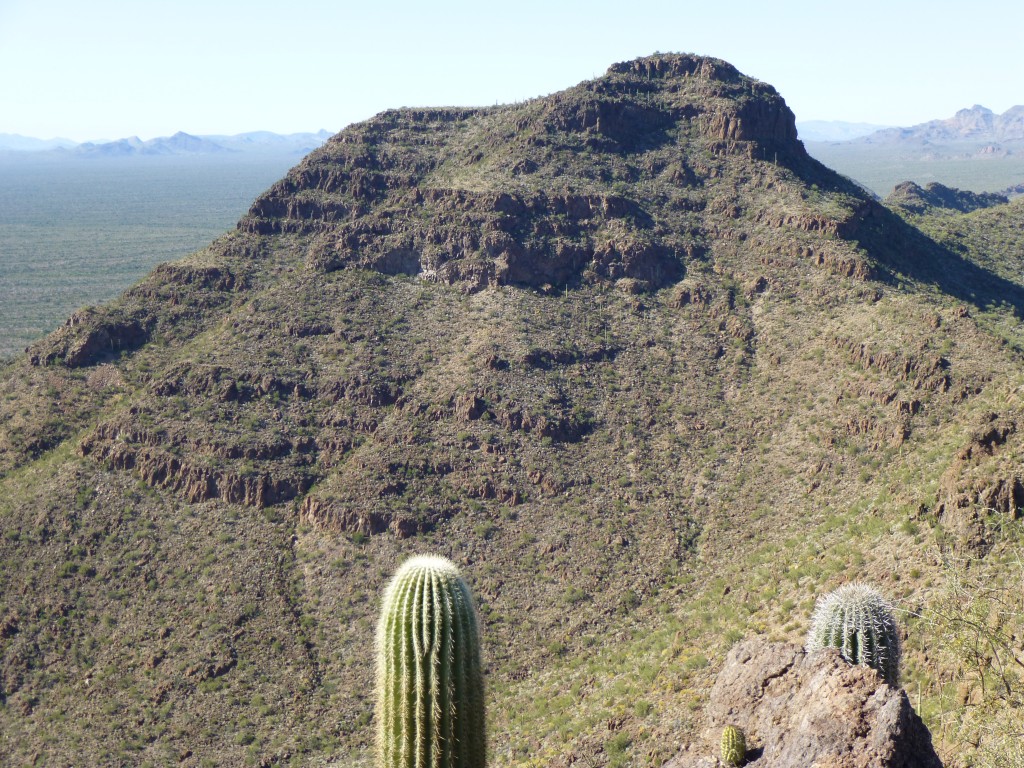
(800, 709)
(87, 338)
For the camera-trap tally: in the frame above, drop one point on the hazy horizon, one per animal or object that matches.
(851, 127)
(111, 69)
(145, 139)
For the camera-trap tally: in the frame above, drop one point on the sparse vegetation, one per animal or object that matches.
(206, 484)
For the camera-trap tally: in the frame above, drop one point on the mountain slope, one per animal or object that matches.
(650, 373)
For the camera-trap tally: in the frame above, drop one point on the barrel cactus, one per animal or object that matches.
(858, 621)
(734, 746)
(430, 689)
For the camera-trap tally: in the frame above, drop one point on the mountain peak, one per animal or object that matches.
(628, 336)
(975, 123)
(676, 65)
(749, 110)
(543, 193)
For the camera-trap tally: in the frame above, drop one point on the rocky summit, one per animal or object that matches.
(653, 377)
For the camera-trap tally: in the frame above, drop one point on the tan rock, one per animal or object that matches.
(801, 710)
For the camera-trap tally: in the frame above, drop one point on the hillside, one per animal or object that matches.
(653, 376)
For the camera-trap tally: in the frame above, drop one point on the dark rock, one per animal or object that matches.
(799, 709)
(913, 198)
(88, 337)
(470, 407)
(144, 453)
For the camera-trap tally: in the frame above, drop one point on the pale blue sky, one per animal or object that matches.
(114, 68)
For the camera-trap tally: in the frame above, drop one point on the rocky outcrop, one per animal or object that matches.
(548, 358)
(209, 278)
(331, 515)
(922, 372)
(192, 480)
(801, 710)
(915, 199)
(340, 516)
(483, 239)
(87, 337)
(764, 117)
(94, 335)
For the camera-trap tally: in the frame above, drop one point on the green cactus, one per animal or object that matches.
(430, 689)
(734, 746)
(858, 621)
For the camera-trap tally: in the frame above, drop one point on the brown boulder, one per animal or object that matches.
(809, 709)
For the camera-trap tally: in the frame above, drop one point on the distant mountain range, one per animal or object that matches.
(180, 143)
(975, 149)
(14, 142)
(975, 124)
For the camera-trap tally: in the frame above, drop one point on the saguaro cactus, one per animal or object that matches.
(858, 621)
(430, 690)
(734, 746)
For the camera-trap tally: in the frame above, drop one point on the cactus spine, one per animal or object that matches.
(430, 690)
(734, 746)
(858, 621)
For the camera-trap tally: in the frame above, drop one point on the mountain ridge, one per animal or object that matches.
(180, 143)
(652, 375)
(975, 149)
(976, 123)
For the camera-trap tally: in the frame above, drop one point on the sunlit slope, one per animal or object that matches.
(652, 376)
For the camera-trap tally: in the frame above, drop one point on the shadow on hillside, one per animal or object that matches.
(902, 250)
(907, 251)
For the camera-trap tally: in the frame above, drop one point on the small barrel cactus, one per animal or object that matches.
(858, 621)
(430, 689)
(734, 746)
